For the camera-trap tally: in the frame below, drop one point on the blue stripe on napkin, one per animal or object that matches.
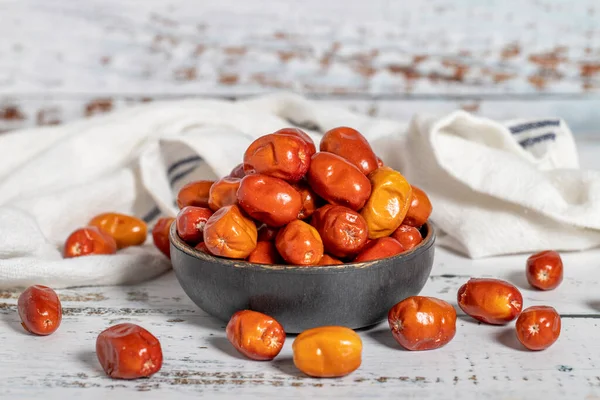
(183, 161)
(534, 140)
(174, 177)
(533, 125)
(155, 212)
(179, 176)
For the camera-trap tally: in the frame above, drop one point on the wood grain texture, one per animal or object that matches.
(61, 60)
(200, 362)
(227, 46)
(580, 113)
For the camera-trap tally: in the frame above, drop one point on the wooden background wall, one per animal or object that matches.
(65, 59)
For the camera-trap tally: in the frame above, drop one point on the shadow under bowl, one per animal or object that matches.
(355, 295)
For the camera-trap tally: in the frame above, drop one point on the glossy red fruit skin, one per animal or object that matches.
(160, 235)
(126, 230)
(310, 200)
(264, 253)
(422, 323)
(88, 241)
(343, 231)
(328, 260)
(128, 351)
(40, 310)
(302, 135)
(492, 301)
(230, 233)
(190, 223)
(270, 200)
(545, 270)
(194, 194)
(255, 335)
(317, 217)
(538, 327)
(327, 351)
(351, 145)
(419, 210)
(299, 243)
(408, 236)
(338, 181)
(388, 204)
(377, 249)
(223, 193)
(282, 156)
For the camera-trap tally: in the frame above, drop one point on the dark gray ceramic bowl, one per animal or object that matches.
(354, 295)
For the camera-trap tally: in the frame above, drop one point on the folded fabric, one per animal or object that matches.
(496, 188)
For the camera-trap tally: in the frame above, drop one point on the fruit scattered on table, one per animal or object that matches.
(40, 310)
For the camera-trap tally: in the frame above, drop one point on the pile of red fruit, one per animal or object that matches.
(288, 203)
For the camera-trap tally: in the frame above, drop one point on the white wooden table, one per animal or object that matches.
(199, 361)
(67, 59)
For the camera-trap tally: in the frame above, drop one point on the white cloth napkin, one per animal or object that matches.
(496, 188)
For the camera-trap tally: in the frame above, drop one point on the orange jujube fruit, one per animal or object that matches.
(230, 233)
(408, 236)
(256, 335)
(422, 323)
(338, 181)
(88, 241)
(420, 208)
(160, 235)
(194, 194)
(327, 351)
(388, 204)
(299, 243)
(127, 230)
(351, 145)
(223, 192)
(40, 310)
(490, 300)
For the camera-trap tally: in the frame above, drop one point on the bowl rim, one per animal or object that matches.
(422, 247)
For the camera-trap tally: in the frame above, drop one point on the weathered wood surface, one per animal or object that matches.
(581, 114)
(63, 60)
(481, 360)
(341, 46)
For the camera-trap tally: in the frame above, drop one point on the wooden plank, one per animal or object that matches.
(24, 112)
(579, 112)
(433, 56)
(199, 361)
(480, 360)
(110, 47)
